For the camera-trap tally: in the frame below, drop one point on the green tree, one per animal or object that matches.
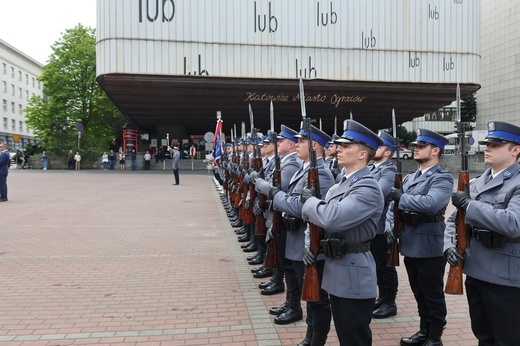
(71, 93)
(405, 136)
(468, 108)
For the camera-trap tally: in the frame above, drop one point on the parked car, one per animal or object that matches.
(404, 153)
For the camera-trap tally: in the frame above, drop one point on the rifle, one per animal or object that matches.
(454, 281)
(271, 256)
(256, 163)
(392, 254)
(311, 282)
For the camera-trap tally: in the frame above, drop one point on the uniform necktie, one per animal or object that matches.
(489, 178)
(419, 172)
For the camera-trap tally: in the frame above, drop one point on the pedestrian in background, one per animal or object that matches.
(104, 159)
(5, 162)
(122, 160)
(70, 159)
(147, 158)
(112, 159)
(77, 158)
(133, 157)
(44, 159)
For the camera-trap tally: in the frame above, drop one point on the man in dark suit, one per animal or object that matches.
(423, 200)
(5, 162)
(492, 262)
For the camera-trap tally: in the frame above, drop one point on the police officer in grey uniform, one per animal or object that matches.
(318, 312)
(423, 200)
(492, 259)
(349, 216)
(383, 170)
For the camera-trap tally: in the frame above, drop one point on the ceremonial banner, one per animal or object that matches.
(217, 144)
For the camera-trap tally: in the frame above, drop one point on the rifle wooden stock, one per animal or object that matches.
(454, 283)
(311, 282)
(392, 258)
(271, 256)
(258, 219)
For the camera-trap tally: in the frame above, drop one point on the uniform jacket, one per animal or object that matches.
(350, 211)
(5, 162)
(175, 160)
(385, 176)
(495, 207)
(428, 194)
(291, 204)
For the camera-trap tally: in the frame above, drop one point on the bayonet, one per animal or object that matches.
(271, 113)
(336, 125)
(351, 117)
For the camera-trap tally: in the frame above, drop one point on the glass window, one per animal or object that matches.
(26, 79)
(4, 86)
(27, 95)
(4, 68)
(4, 105)
(12, 107)
(13, 125)
(20, 110)
(19, 75)
(20, 92)
(20, 126)
(5, 123)
(12, 89)
(33, 81)
(12, 72)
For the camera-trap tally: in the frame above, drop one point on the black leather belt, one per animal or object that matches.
(414, 219)
(339, 247)
(491, 239)
(290, 223)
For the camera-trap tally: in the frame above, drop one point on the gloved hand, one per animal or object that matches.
(257, 210)
(390, 236)
(273, 190)
(308, 257)
(269, 235)
(461, 199)
(396, 194)
(248, 203)
(308, 193)
(453, 256)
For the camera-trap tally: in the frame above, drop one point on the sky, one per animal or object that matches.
(33, 26)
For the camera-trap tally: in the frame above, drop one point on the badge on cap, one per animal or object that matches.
(491, 126)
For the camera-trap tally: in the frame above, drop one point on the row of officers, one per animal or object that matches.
(354, 209)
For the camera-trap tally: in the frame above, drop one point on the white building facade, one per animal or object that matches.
(18, 83)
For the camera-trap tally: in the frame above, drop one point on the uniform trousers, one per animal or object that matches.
(426, 281)
(352, 320)
(495, 312)
(318, 312)
(3, 186)
(386, 276)
(176, 174)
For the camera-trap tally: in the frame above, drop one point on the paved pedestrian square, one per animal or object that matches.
(128, 258)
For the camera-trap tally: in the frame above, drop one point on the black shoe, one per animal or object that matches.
(278, 310)
(249, 258)
(418, 339)
(245, 238)
(256, 270)
(384, 311)
(251, 248)
(265, 283)
(378, 303)
(263, 274)
(241, 231)
(238, 223)
(290, 316)
(243, 246)
(273, 289)
(256, 261)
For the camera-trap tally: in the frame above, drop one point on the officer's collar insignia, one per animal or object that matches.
(507, 174)
(354, 179)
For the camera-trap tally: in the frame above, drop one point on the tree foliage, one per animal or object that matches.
(405, 136)
(468, 108)
(71, 93)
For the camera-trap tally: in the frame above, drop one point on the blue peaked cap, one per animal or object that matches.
(388, 140)
(317, 135)
(357, 133)
(287, 132)
(501, 132)
(425, 137)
